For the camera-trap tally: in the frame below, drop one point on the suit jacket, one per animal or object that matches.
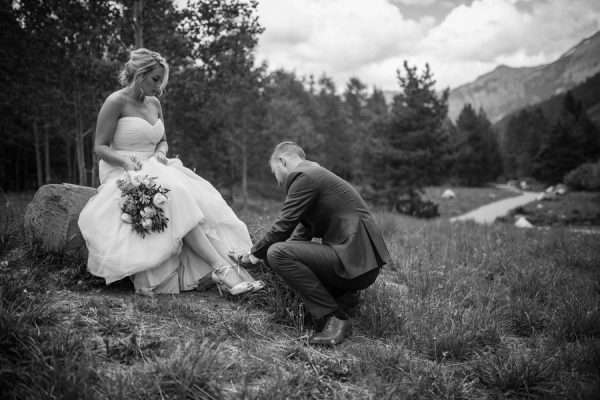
(323, 205)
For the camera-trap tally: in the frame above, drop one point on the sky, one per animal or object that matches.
(460, 39)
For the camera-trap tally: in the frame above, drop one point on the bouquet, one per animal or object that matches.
(142, 202)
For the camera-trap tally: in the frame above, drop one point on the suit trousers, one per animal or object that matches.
(309, 269)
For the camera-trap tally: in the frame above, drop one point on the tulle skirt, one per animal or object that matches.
(160, 262)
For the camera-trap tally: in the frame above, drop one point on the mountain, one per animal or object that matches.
(507, 89)
(586, 92)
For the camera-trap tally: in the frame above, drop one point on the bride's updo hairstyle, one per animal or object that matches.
(141, 63)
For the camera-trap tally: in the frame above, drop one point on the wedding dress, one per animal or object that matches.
(160, 262)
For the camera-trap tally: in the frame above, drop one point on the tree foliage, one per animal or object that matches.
(477, 159)
(413, 144)
(573, 140)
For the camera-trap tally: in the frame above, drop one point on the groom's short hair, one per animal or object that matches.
(287, 148)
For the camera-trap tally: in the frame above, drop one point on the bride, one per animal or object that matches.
(202, 230)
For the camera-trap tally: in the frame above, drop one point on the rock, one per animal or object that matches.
(524, 185)
(448, 194)
(560, 189)
(51, 217)
(523, 223)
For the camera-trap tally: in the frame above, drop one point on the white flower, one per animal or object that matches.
(126, 218)
(146, 223)
(149, 212)
(159, 200)
(136, 179)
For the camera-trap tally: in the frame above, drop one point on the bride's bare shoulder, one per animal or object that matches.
(117, 97)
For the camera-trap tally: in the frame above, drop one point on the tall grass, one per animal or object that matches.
(463, 312)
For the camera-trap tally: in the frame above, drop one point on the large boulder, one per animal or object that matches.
(51, 217)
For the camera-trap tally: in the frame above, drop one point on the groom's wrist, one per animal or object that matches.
(251, 257)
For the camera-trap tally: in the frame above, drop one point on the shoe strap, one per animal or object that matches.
(226, 268)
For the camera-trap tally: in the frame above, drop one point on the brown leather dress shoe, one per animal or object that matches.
(334, 332)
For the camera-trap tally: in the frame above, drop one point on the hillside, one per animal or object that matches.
(588, 92)
(507, 89)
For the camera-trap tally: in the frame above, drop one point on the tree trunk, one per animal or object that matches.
(137, 24)
(244, 174)
(47, 152)
(70, 175)
(38, 155)
(79, 140)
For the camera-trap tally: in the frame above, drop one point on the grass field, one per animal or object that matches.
(467, 198)
(464, 312)
(574, 209)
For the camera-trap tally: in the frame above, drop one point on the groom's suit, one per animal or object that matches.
(320, 204)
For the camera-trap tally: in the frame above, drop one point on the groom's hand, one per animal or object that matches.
(248, 258)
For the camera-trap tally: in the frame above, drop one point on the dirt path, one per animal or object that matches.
(487, 214)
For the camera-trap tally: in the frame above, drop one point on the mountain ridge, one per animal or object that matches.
(506, 89)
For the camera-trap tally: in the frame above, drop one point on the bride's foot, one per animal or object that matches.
(246, 277)
(227, 278)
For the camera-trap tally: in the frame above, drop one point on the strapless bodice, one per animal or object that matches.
(133, 136)
(136, 134)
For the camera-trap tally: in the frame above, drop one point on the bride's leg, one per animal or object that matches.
(197, 240)
(200, 244)
(243, 274)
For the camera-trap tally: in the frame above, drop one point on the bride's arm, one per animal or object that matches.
(161, 147)
(105, 130)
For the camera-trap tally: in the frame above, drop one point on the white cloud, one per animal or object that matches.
(495, 32)
(422, 3)
(370, 39)
(335, 36)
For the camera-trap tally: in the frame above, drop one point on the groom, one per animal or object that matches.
(326, 275)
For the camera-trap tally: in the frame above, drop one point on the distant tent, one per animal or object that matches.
(523, 223)
(448, 194)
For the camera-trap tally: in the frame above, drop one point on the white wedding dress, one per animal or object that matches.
(160, 262)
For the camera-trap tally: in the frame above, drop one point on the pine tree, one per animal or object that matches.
(477, 158)
(413, 143)
(524, 135)
(573, 140)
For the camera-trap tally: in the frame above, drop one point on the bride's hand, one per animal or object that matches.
(131, 164)
(160, 157)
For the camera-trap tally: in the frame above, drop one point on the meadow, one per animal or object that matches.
(464, 312)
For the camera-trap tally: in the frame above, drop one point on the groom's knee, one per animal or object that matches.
(277, 254)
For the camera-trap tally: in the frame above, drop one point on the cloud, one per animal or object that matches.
(493, 32)
(370, 40)
(420, 3)
(336, 35)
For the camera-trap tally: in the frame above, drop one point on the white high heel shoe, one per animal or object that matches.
(240, 288)
(245, 276)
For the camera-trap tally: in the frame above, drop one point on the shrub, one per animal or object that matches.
(584, 177)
